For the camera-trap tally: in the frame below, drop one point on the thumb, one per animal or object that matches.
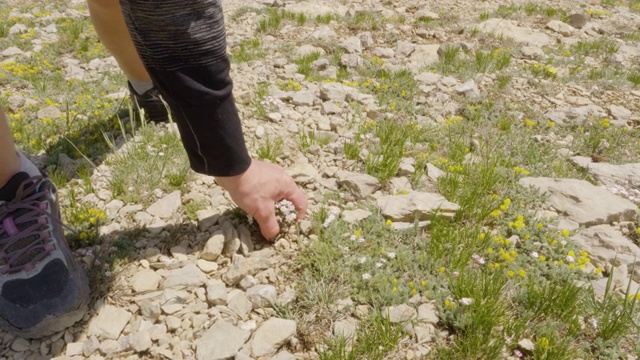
(266, 218)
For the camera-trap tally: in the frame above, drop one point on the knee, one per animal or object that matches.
(104, 4)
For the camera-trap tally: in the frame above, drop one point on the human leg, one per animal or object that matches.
(9, 161)
(108, 21)
(43, 290)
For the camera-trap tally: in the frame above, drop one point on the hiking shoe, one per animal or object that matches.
(152, 104)
(43, 290)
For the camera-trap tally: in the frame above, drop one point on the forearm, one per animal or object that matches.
(183, 46)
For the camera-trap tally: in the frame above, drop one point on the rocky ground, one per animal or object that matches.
(178, 274)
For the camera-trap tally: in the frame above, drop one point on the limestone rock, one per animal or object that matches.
(360, 185)
(109, 323)
(189, 276)
(610, 174)
(303, 98)
(303, 171)
(469, 89)
(426, 15)
(145, 280)
(532, 52)
(578, 21)
(560, 27)
(404, 48)
(271, 335)
(221, 342)
(345, 328)
(607, 246)
(415, 205)
(351, 45)
(427, 313)
(12, 51)
(582, 202)
(213, 248)
(167, 206)
(401, 313)
(354, 216)
(324, 34)
(336, 92)
(216, 292)
(509, 28)
(262, 295)
(49, 112)
(423, 55)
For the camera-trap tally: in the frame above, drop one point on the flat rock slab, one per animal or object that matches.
(423, 56)
(582, 202)
(508, 28)
(609, 174)
(109, 323)
(318, 9)
(608, 246)
(415, 205)
(271, 335)
(222, 341)
(360, 185)
(166, 206)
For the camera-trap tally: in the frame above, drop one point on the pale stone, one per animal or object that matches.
(145, 280)
(167, 206)
(400, 314)
(560, 27)
(213, 248)
(189, 275)
(109, 323)
(216, 292)
(427, 313)
(583, 202)
(222, 341)
(360, 185)
(415, 205)
(271, 335)
(262, 295)
(509, 28)
(354, 216)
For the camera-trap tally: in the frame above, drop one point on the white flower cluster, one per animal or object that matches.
(350, 137)
(333, 213)
(479, 259)
(286, 211)
(466, 301)
(631, 194)
(272, 104)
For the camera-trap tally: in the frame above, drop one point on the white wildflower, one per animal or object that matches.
(466, 301)
(479, 259)
(391, 255)
(366, 276)
(534, 254)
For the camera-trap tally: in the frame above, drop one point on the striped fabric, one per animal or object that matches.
(174, 34)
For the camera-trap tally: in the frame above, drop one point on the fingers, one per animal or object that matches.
(299, 200)
(266, 218)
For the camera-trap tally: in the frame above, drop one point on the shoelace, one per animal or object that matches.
(23, 239)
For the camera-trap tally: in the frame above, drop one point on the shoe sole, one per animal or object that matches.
(54, 323)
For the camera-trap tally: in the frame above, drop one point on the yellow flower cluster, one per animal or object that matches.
(289, 85)
(519, 170)
(518, 224)
(92, 216)
(546, 71)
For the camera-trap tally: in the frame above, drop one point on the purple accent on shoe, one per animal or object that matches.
(43, 289)
(24, 238)
(10, 226)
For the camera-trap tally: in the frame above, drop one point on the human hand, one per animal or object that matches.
(258, 189)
